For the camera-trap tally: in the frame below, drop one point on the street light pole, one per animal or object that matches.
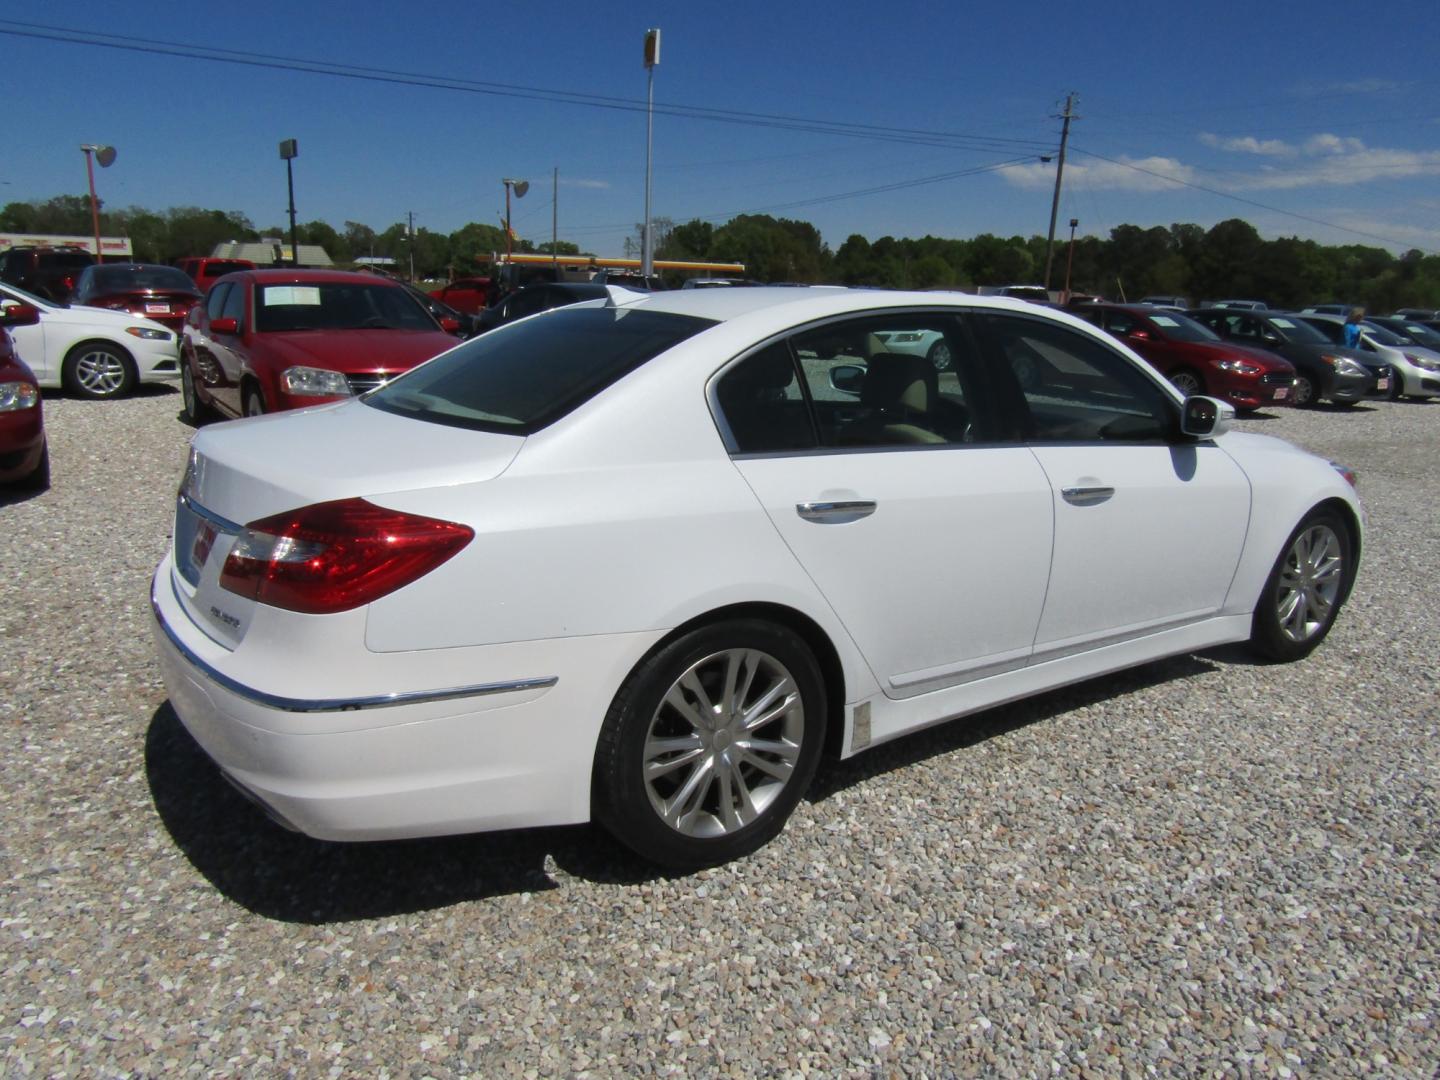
(289, 150)
(652, 59)
(1070, 258)
(106, 156)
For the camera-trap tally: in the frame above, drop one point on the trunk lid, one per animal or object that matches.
(245, 470)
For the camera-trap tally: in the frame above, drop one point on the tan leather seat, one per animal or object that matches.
(902, 391)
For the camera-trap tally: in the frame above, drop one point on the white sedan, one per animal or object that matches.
(640, 560)
(91, 352)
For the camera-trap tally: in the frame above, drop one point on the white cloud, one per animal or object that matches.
(1248, 144)
(582, 183)
(1126, 174)
(1332, 144)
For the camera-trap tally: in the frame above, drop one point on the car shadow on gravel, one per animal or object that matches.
(283, 875)
(960, 734)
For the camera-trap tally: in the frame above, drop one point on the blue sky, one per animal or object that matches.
(1321, 110)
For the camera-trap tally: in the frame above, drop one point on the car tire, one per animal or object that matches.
(939, 356)
(687, 780)
(1302, 393)
(1187, 382)
(1397, 385)
(197, 412)
(253, 402)
(99, 371)
(1305, 589)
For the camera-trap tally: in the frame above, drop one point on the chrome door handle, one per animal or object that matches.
(836, 513)
(1086, 496)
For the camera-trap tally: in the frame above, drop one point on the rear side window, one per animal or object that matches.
(520, 378)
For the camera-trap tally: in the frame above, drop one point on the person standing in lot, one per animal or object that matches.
(1352, 327)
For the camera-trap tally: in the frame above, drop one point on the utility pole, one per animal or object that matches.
(410, 237)
(652, 58)
(555, 220)
(1067, 116)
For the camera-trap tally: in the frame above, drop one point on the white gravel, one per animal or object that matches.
(1203, 867)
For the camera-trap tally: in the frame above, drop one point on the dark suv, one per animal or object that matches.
(47, 272)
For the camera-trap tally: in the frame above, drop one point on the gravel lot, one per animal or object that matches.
(1200, 867)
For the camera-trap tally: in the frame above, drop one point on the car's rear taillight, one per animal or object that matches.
(336, 556)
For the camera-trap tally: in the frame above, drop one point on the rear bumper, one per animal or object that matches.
(498, 754)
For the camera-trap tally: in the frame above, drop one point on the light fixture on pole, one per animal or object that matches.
(1070, 258)
(521, 187)
(289, 150)
(652, 60)
(105, 155)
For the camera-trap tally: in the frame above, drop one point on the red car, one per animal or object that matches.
(470, 295)
(1194, 357)
(24, 458)
(161, 293)
(205, 272)
(267, 340)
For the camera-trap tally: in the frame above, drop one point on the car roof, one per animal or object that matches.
(289, 276)
(723, 305)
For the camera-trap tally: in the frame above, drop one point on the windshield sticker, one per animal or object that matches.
(1284, 323)
(1163, 320)
(292, 296)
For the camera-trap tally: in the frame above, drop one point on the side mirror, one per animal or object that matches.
(19, 315)
(1205, 417)
(224, 326)
(449, 325)
(847, 378)
(1139, 334)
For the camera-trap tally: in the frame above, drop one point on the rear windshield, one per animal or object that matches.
(521, 377)
(118, 278)
(333, 305)
(214, 269)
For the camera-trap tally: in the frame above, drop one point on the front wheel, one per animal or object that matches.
(99, 371)
(1305, 589)
(710, 743)
(254, 404)
(1303, 393)
(1397, 385)
(196, 411)
(1187, 382)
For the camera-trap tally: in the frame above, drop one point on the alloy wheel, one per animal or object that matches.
(100, 372)
(1310, 582)
(723, 743)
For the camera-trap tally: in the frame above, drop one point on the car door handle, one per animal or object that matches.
(1086, 496)
(835, 513)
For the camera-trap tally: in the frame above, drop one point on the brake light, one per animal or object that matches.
(336, 556)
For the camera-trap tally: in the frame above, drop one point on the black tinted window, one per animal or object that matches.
(332, 305)
(215, 302)
(518, 379)
(117, 278)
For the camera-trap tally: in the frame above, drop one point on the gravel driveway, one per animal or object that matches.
(1200, 866)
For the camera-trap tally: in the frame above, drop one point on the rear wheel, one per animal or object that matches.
(939, 356)
(710, 743)
(1305, 589)
(98, 370)
(1187, 382)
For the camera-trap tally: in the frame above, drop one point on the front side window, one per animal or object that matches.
(235, 305)
(520, 378)
(215, 302)
(1073, 388)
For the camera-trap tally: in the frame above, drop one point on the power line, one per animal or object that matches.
(190, 51)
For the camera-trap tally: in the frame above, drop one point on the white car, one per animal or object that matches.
(1414, 369)
(639, 560)
(91, 352)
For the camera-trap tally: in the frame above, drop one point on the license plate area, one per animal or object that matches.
(157, 309)
(1382, 383)
(195, 536)
(1282, 393)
